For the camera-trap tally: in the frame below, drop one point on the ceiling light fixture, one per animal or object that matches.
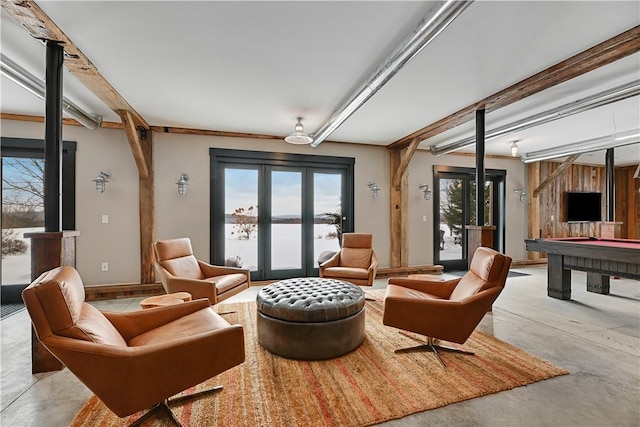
(600, 99)
(514, 148)
(429, 27)
(583, 147)
(298, 137)
(36, 86)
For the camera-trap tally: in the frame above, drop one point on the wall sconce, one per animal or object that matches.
(101, 181)
(522, 195)
(374, 189)
(182, 184)
(426, 190)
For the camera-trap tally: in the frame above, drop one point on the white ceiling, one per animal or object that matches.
(253, 67)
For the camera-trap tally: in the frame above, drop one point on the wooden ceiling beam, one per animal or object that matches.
(404, 163)
(134, 143)
(40, 26)
(618, 47)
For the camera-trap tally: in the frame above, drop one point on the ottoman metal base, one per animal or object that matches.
(311, 341)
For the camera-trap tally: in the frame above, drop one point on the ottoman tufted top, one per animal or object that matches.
(310, 299)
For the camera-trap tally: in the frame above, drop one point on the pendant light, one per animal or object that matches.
(298, 137)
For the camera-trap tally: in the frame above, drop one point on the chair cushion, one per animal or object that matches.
(484, 272)
(346, 273)
(205, 320)
(174, 248)
(93, 326)
(227, 281)
(186, 266)
(61, 294)
(358, 258)
(357, 240)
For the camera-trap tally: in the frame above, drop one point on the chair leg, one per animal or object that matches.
(430, 345)
(164, 406)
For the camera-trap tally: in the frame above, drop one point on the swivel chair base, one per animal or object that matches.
(430, 345)
(164, 406)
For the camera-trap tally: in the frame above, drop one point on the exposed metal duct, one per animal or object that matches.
(583, 147)
(600, 99)
(36, 86)
(438, 18)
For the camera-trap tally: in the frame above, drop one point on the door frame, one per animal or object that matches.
(499, 177)
(221, 158)
(26, 148)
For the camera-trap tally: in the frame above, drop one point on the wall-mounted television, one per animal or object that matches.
(583, 206)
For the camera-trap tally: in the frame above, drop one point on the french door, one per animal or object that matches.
(22, 171)
(455, 208)
(275, 215)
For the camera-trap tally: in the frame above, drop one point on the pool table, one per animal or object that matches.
(600, 258)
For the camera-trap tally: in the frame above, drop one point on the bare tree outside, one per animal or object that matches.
(22, 200)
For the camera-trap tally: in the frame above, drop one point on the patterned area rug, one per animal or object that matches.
(367, 386)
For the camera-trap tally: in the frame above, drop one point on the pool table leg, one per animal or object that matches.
(598, 283)
(558, 279)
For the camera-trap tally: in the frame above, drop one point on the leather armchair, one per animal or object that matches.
(136, 360)
(180, 271)
(356, 262)
(446, 309)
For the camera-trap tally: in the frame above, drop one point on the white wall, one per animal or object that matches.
(118, 242)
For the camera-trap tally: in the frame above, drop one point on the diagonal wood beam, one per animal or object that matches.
(32, 17)
(556, 173)
(618, 47)
(134, 143)
(404, 163)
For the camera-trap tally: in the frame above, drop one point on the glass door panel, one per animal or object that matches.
(241, 218)
(452, 218)
(327, 213)
(286, 220)
(22, 212)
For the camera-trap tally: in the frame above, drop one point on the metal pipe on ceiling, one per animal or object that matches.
(600, 99)
(24, 78)
(582, 147)
(438, 18)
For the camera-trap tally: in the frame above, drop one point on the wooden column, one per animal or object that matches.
(49, 250)
(479, 235)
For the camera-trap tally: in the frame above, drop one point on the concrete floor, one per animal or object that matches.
(595, 337)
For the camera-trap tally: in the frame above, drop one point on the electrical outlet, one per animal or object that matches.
(105, 266)
(105, 219)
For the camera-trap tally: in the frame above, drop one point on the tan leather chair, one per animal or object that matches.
(356, 262)
(180, 271)
(446, 309)
(136, 360)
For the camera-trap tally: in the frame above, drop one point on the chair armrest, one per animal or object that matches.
(437, 287)
(134, 323)
(334, 261)
(215, 270)
(373, 268)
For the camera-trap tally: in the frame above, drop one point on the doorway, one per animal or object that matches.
(274, 214)
(22, 171)
(454, 206)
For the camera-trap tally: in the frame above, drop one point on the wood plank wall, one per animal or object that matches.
(547, 211)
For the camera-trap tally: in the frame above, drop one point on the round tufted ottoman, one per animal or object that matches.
(310, 318)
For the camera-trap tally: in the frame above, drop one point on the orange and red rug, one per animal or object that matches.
(367, 386)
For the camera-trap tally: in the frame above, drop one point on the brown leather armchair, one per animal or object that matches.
(446, 309)
(180, 271)
(136, 360)
(356, 262)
